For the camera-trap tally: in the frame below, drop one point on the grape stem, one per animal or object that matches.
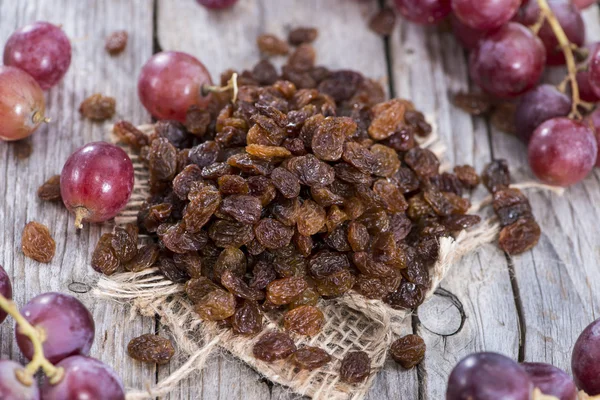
(232, 84)
(547, 14)
(80, 214)
(36, 336)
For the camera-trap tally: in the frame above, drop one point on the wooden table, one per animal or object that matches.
(530, 307)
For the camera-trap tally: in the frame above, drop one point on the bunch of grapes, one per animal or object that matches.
(55, 332)
(36, 57)
(487, 376)
(511, 42)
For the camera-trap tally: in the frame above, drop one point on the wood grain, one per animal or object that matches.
(92, 70)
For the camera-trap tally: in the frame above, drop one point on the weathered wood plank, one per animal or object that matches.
(92, 70)
(227, 39)
(428, 67)
(559, 280)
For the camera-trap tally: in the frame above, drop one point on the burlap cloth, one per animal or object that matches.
(352, 321)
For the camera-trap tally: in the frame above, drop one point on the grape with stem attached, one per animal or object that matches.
(22, 104)
(42, 50)
(96, 182)
(11, 387)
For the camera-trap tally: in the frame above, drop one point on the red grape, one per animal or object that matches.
(581, 4)
(488, 376)
(570, 20)
(468, 37)
(562, 151)
(5, 290)
(42, 50)
(594, 121)
(217, 4)
(96, 182)
(485, 14)
(68, 326)
(584, 361)
(551, 381)
(170, 82)
(538, 105)
(10, 386)
(22, 104)
(424, 11)
(508, 62)
(84, 378)
(594, 70)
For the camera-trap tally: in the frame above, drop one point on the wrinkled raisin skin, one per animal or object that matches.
(355, 367)
(37, 243)
(98, 107)
(150, 348)
(304, 320)
(310, 358)
(408, 351)
(273, 346)
(50, 190)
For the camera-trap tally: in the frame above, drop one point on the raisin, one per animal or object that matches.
(520, 236)
(408, 351)
(104, 259)
(197, 288)
(387, 160)
(447, 203)
(262, 188)
(328, 139)
(338, 239)
(370, 267)
(22, 149)
(230, 259)
(303, 58)
(496, 176)
(358, 236)
(232, 184)
(284, 290)
(205, 154)
(383, 22)
(418, 208)
(162, 159)
(510, 205)
(309, 297)
(402, 140)
(325, 197)
(145, 258)
(335, 284)
(388, 117)
(390, 195)
(50, 190)
(371, 288)
(203, 203)
(243, 208)
(216, 305)
(247, 319)
(349, 174)
(311, 218)
(326, 262)
(268, 153)
(273, 346)
(272, 45)
(156, 215)
(341, 85)
(406, 180)
(286, 182)
(152, 349)
(197, 120)
(286, 211)
(116, 42)
(304, 320)
(359, 157)
(407, 296)
(265, 72)
(355, 367)
(273, 234)
(239, 288)
(311, 171)
(262, 274)
(124, 242)
(37, 242)
(473, 103)
(250, 165)
(422, 161)
(467, 176)
(310, 358)
(446, 182)
(183, 181)
(400, 226)
(304, 244)
(457, 223)
(130, 135)
(98, 107)
(171, 270)
(301, 35)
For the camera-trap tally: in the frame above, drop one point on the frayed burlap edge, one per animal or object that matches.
(352, 321)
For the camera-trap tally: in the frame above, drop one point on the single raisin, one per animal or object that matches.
(239, 288)
(50, 190)
(496, 176)
(355, 367)
(383, 22)
(247, 319)
(273, 346)
(286, 182)
(284, 290)
(37, 242)
(216, 305)
(311, 218)
(151, 348)
(408, 351)
(467, 176)
(519, 236)
(116, 42)
(304, 320)
(145, 258)
(243, 208)
(310, 358)
(272, 45)
(407, 296)
(130, 135)
(422, 161)
(197, 288)
(98, 107)
(124, 242)
(301, 35)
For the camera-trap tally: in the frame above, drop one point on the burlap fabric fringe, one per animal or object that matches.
(352, 321)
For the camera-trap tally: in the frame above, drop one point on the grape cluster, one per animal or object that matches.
(55, 332)
(487, 376)
(511, 42)
(36, 58)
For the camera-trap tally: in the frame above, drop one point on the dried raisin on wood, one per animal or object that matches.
(496, 176)
(37, 242)
(422, 161)
(50, 190)
(98, 107)
(300, 35)
(467, 175)
(116, 42)
(104, 259)
(272, 45)
(520, 236)
(124, 242)
(408, 296)
(151, 348)
(383, 22)
(408, 351)
(146, 257)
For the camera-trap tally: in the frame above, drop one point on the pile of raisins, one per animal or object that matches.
(308, 186)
